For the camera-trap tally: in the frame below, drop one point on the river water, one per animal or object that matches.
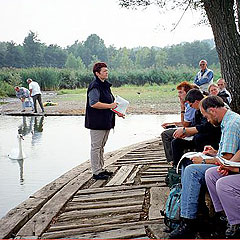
(54, 145)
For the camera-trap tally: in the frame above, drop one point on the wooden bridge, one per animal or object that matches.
(76, 206)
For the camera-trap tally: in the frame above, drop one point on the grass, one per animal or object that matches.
(147, 93)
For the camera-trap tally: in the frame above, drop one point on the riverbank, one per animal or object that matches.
(143, 100)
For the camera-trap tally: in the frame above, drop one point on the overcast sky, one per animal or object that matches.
(62, 22)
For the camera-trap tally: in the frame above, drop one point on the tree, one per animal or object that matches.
(223, 16)
(33, 50)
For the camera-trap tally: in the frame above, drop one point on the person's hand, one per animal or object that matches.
(197, 160)
(121, 115)
(209, 150)
(113, 105)
(164, 125)
(223, 170)
(179, 133)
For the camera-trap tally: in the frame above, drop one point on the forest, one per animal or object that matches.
(55, 67)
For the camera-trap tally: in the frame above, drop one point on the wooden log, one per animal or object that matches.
(121, 175)
(158, 197)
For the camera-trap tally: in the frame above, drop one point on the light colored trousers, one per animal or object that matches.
(98, 141)
(225, 193)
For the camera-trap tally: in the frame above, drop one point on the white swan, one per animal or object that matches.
(18, 153)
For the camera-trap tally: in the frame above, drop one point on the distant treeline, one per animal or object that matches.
(81, 55)
(56, 78)
(55, 67)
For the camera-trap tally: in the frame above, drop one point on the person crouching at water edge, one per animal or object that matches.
(99, 117)
(22, 93)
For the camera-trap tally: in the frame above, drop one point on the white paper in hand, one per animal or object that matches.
(228, 163)
(122, 105)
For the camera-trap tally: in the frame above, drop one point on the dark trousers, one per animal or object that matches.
(179, 146)
(38, 98)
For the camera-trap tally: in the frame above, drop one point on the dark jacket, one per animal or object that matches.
(207, 133)
(100, 119)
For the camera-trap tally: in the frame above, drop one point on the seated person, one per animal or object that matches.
(214, 90)
(203, 132)
(193, 179)
(224, 189)
(187, 117)
(222, 86)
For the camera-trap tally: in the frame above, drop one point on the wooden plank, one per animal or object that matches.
(108, 189)
(39, 222)
(158, 197)
(109, 195)
(120, 176)
(147, 162)
(88, 222)
(156, 179)
(60, 232)
(130, 179)
(154, 175)
(107, 204)
(100, 212)
(157, 230)
(119, 233)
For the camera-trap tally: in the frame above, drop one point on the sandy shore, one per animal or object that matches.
(67, 106)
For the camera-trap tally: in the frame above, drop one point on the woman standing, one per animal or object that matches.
(99, 117)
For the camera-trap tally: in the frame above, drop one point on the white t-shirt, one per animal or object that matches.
(35, 88)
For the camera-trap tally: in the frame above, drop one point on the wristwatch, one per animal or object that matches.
(184, 130)
(204, 161)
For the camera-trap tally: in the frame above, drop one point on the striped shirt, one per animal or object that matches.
(230, 137)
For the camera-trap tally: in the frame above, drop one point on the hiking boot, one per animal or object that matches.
(233, 231)
(184, 230)
(108, 173)
(23, 110)
(100, 176)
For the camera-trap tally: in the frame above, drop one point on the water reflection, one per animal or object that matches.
(33, 125)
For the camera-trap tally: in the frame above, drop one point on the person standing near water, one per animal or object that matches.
(22, 93)
(99, 117)
(35, 93)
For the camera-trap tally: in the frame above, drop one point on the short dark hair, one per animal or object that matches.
(97, 67)
(212, 101)
(193, 95)
(185, 85)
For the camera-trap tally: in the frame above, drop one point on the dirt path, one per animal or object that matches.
(65, 105)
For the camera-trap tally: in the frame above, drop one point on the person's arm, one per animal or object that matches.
(206, 79)
(94, 102)
(183, 132)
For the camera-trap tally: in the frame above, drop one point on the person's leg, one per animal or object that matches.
(167, 137)
(31, 102)
(193, 179)
(178, 147)
(105, 138)
(97, 139)
(211, 178)
(35, 103)
(23, 104)
(228, 190)
(39, 98)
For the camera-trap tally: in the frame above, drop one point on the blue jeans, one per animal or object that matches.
(192, 180)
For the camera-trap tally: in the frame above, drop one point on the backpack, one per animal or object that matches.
(172, 177)
(171, 212)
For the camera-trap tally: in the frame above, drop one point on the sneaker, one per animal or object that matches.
(34, 112)
(106, 172)
(23, 110)
(184, 230)
(100, 176)
(232, 231)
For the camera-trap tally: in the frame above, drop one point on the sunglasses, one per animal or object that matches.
(202, 64)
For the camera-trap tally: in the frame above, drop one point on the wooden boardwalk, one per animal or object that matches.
(76, 206)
